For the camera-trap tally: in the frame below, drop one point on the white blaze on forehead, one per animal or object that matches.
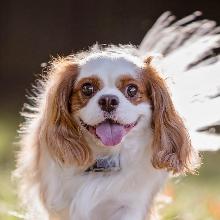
(108, 67)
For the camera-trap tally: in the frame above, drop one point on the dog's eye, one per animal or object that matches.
(87, 89)
(131, 90)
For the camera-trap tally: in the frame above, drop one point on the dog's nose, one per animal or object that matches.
(108, 103)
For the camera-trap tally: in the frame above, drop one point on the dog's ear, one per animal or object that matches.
(59, 129)
(171, 147)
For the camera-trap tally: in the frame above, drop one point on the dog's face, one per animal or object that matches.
(110, 98)
(105, 97)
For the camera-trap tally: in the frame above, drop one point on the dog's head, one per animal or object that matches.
(106, 96)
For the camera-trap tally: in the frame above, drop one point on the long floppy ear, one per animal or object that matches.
(62, 134)
(172, 148)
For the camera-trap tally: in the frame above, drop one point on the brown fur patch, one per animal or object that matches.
(126, 80)
(62, 134)
(78, 100)
(172, 148)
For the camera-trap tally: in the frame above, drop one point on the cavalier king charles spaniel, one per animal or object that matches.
(102, 138)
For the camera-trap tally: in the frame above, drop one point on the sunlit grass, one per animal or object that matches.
(194, 197)
(8, 201)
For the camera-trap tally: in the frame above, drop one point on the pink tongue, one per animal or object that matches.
(110, 134)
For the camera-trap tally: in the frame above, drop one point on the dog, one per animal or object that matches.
(102, 138)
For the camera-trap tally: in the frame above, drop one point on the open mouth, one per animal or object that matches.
(109, 132)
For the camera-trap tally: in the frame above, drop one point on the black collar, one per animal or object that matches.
(105, 164)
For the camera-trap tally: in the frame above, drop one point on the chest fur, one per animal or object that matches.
(87, 196)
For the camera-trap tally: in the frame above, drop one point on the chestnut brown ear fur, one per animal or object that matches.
(62, 134)
(172, 148)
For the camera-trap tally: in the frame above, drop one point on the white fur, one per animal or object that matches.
(124, 195)
(109, 69)
(128, 194)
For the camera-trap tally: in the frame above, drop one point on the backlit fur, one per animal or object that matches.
(56, 149)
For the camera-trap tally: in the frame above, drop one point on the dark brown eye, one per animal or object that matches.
(131, 90)
(87, 89)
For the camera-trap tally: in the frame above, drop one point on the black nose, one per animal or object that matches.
(108, 103)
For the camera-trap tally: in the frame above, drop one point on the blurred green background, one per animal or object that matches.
(32, 31)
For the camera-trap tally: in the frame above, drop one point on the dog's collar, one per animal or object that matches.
(105, 164)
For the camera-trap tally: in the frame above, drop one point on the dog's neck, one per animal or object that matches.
(130, 151)
(135, 168)
(106, 164)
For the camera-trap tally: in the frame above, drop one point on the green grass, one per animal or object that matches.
(194, 197)
(8, 201)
